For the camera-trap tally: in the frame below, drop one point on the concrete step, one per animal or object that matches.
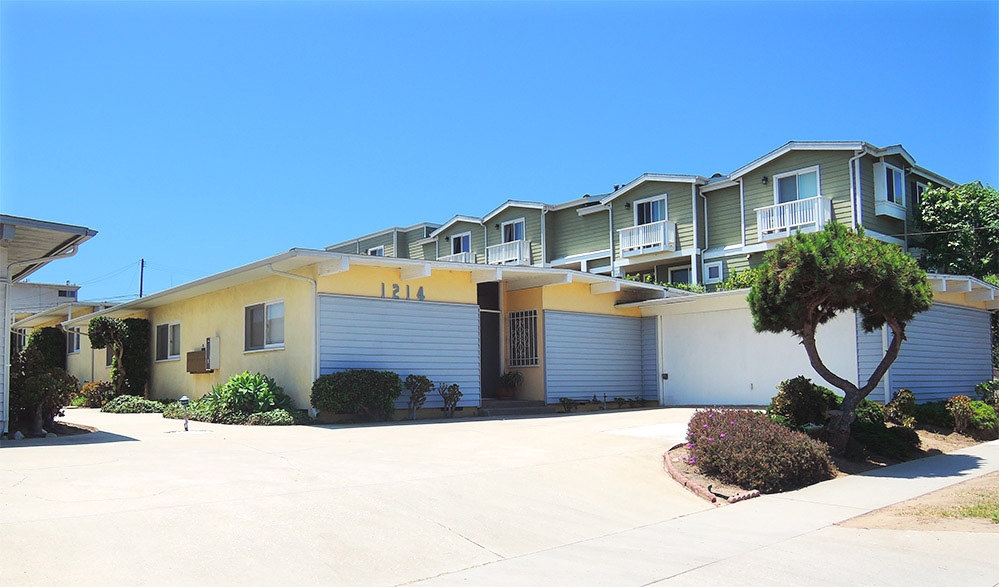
(511, 403)
(503, 412)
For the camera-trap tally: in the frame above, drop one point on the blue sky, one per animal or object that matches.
(202, 136)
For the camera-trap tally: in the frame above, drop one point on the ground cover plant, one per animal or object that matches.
(246, 398)
(745, 448)
(132, 404)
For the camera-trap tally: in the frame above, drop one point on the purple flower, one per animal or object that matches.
(690, 445)
(705, 426)
(732, 422)
(722, 436)
(710, 439)
(711, 415)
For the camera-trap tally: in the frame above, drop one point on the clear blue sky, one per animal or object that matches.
(202, 136)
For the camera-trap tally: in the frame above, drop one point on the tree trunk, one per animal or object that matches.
(37, 420)
(839, 425)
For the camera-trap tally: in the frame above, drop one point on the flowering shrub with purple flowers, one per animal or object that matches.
(745, 448)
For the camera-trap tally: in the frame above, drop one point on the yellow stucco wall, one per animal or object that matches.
(576, 297)
(534, 377)
(441, 286)
(222, 314)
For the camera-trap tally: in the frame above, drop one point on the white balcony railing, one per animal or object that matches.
(648, 238)
(778, 220)
(466, 257)
(511, 253)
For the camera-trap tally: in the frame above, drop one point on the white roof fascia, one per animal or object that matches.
(55, 311)
(456, 219)
(587, 210)
(894, 150)
(934, 177)
(695, 179)
(799, 146)
(514, 204)
(720, 184)
(576, 202)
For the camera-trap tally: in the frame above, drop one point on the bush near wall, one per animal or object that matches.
(96, 393)
(368, 393)
(253, 399)
(132, 404)
(799, 402)
(747, 449)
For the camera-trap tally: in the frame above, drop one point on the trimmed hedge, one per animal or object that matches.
(368, 393)
(96, 393)
(933, 414)
(132, 404)
(799, 402)
(745, 448)
(897, 442)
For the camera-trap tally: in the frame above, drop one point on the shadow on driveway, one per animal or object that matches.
(89, 438)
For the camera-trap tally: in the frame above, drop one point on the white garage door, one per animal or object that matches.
(440, 341)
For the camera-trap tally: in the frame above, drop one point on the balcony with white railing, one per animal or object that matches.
(811, 214)
(511, 253)
(648, 238)
(466, 257)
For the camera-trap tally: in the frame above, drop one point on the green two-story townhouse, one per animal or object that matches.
(800, 187)
(400, 242)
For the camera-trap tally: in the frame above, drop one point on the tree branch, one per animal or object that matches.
(897, 336)
(808, 341)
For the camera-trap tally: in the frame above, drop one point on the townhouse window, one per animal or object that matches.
(67, 293)
(264, 326)
(796, 185)
(650, 210)
(376, 251)
(889, 191)
(713, 272)
(918, 189)
(168, 341)
(461, 243)
(72, 341)
(679, 274)
(523, 337)
(513, 230)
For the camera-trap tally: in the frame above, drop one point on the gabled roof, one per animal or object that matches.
(516, 277)
(857, 146)
(646, 177)
(453, 221)
(934, 177)
(515, 204)
(381, 232)
(31, 244)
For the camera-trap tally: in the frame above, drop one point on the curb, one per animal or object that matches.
(696, 488)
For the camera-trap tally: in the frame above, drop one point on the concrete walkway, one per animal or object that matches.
(568, 500)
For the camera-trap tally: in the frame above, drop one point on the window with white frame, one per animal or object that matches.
(523, 337)
(919, 189)
(679, 274)
(108, 355)
(650, 210)
(513, 230)
(264, 326)
(796, 185)
(377, 251)
(713, 272)
(168, 341)
(889, 184)
(72, 341)
(461, 243)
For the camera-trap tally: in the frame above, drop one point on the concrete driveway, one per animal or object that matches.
(144, 503)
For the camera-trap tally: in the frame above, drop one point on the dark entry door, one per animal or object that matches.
(489, 337)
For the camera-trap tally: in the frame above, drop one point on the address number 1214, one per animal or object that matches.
(395, 292)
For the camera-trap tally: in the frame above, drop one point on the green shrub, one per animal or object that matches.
(365, 392)
(988, 392)
(800, 402)
(418, 387)
(984, 419)
(96, 393)
(451, 394)
(741, 280)
(747, 449)
(901, 409)
(896, 442)
(868, 411)
(38, 399)
(933, 414)
(568, 404)
(247, 394)
(51, 345)
(277, 417)
(132, 404)
(959, 408)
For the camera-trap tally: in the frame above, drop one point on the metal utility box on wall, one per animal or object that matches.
(196, 362)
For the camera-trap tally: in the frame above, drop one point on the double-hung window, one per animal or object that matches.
(264, 326)
(167, 341)
(796, 185)
(889, 191)
(513, 230)
(461, 243)
(650, 210)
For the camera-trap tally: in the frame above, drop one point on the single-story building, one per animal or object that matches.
(303, 313)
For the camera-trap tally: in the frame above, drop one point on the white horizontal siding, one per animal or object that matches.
(590, 355)
(439, 341)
